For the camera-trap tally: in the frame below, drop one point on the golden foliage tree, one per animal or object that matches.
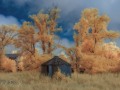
(47, 26)
(91, 31)
(92, 28)
(26, 38)
(26, 42)
(7, 36)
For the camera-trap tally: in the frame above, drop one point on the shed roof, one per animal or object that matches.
(55, 61)
(12, 56)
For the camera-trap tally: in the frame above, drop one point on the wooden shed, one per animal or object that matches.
(12, 56)
(51, 66)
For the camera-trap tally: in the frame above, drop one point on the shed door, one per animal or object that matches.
(50, 72)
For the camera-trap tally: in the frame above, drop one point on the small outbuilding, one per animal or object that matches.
(52, 66)
(12, 56)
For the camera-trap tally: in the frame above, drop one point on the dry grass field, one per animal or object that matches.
(36, 81)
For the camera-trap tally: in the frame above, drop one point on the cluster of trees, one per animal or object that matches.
(89, 35)
(40, 31)
(91, 31)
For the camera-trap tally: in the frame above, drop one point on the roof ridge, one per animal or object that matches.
(54, 59)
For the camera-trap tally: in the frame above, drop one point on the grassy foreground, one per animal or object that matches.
(35, 81)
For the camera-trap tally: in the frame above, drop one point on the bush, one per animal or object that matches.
(30, 62)
(98, 64)
(8, 64)
(59, 76)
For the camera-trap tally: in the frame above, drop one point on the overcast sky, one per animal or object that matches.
(17, 11)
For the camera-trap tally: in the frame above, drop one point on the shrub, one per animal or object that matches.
(98, 64)
(28, 62)
(59, 76)
(8, 64)
(21, 66)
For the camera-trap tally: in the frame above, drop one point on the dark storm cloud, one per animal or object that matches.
(17, 11)
(70, 11)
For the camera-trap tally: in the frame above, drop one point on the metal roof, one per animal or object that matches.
(56, 61)
(12, 56)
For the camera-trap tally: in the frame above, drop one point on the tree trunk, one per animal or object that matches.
(95, 42)
(43, 47)
(49, 48)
